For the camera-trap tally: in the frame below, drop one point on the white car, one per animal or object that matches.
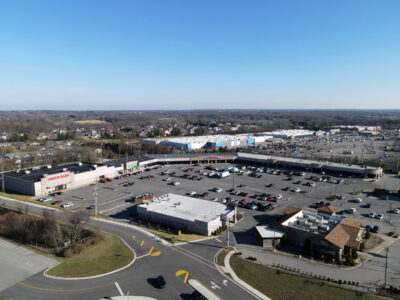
(68, 204)
(166, 179)
(372, 214)
(279, 197)
(192, 193)
(358, 200)
(45, 199)
(352, 210)
(176, 183)
(396, 210)
(297, 190)
(218, 190)
(215, 199)
(224, 200)
(379, 217)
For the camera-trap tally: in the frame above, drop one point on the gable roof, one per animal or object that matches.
(345, 234)
(327, 209)
(290, 210)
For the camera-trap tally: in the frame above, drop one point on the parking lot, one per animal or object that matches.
(259, 192)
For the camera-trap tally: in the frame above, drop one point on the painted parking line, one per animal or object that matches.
(151, 250)
(119, 288)
(218, 240)
(141, 244)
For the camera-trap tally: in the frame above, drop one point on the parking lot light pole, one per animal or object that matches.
(95, 201)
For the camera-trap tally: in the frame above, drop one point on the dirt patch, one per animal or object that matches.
(373, 242)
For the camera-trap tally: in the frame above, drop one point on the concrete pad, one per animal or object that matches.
(18, 263)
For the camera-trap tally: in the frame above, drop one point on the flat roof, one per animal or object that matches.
(36, 173)
(187, 208)
(269, 233)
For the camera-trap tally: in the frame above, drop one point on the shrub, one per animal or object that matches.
(349, 260)
(354, 253)
(278, 272)
(362, 246)
(367, 235)
(391, 233)
(251, 258)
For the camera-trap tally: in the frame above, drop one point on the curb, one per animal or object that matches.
(133, 227)
(95, 276)
(29, 203)
(242, 283)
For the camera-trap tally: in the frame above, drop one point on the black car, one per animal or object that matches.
(90, 206)
(197, 296)
(367, 228)
(375, 229)
(162, 284)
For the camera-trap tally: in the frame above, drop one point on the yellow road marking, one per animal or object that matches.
(181, 272)
(151, 250)
(155, 253)
(64, 291)
(141, 244)
(133, 237)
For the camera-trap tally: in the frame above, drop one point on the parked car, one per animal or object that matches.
(396, 211)
(358, 200)
(379, 216)
(192, 193)
(90, 206)
(103, 180)
(375, 229)
(205, 194)
(57, 202)
(296, 190)
(372, 214)
(162, 284)
(352, 210)
(108, 179)
(66, 205)
(45, 199)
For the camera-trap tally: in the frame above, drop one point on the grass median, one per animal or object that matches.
(174, 238)
(282, 285)
(221, 256)
(108, 255)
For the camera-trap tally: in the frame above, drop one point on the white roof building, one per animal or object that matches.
(191, 214)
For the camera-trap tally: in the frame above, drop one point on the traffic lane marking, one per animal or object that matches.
(65, 291)
(119, 288)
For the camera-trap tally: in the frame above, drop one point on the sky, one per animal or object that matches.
(168, 55)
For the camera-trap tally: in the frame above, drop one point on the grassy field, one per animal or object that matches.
(173, 238)
(289, 286)
(108, 255)
(30, 199)
(221, 256)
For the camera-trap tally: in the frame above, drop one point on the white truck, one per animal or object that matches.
(223, 174)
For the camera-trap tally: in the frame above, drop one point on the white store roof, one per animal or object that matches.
(269, 233)
(187, 208)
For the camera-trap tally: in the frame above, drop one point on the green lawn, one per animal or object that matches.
(173, 238)
(108, 255)
(289, 286)
(30, 199)
(221, 256)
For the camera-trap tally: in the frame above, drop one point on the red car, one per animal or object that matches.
(189, 170)
(271, 199)
(205, 194)
(245, 194)
(57, 202)
(103, 180)
(109, 179)
(210, 167)
(243, 201)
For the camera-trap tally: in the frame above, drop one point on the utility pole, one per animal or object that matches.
(2, 183)
(233, 180)
(95, 201)
(227, 239)
(386, 263)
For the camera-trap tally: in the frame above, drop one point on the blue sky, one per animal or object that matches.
(199, 54)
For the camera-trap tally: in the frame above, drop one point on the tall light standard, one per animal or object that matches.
(95, 200)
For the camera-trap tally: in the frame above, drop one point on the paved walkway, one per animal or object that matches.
(238, 280)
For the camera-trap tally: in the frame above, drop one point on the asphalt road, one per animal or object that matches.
(152, 259)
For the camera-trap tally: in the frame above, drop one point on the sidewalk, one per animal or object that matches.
(238, 280)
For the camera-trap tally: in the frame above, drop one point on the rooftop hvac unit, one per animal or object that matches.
(64, 169)
(48, 166)
(79, 164)
(27, 172)
(95, 166)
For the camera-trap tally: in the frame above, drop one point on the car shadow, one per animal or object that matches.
(186, 296)
(153, 282)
